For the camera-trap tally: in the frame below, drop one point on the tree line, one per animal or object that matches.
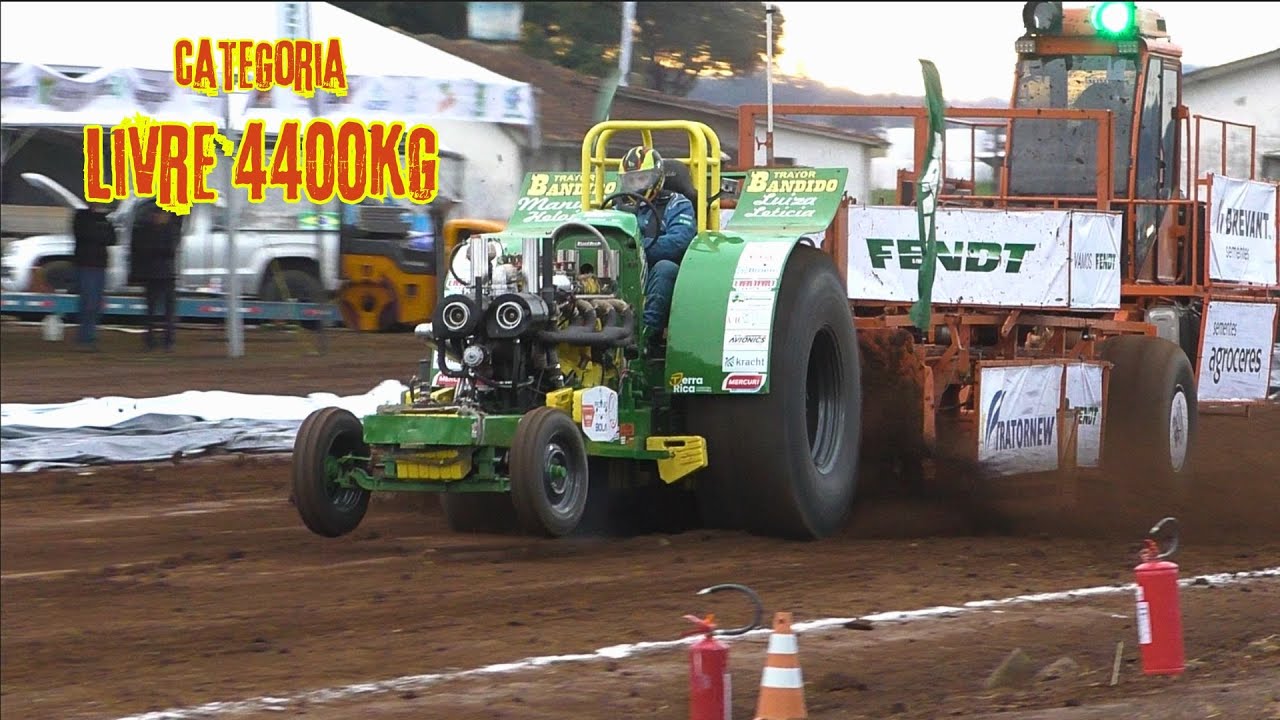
(674, 43)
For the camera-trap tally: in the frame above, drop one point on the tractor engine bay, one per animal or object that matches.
(513, 327)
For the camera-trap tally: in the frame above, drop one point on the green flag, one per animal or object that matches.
(927, 187)
(604, 101)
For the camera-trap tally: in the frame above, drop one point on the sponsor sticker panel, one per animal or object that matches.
(743, 382)
(600, 414)
(749, 316)
(682, 384)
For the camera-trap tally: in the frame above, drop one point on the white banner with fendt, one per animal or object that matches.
(1235, 352)
(1032, 258)
(1095, 260)
(1242, 232)
(1084, 395)
(1018, 418)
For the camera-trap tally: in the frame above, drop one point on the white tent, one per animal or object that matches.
(73, 64)
(96, 63)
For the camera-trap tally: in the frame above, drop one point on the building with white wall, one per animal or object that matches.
(964, 150)
(1244, 91)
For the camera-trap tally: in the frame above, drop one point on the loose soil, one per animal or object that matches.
(138, 588)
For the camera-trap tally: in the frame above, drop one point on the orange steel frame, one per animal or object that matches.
(1071, 335)
(1193, 277)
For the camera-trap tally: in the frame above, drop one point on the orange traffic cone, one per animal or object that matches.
(781, 685)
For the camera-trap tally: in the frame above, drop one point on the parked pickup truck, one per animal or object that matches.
(284, 251)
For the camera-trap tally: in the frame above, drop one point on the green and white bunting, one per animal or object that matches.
(927, 186)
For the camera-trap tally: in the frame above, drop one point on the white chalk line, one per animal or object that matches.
(617, 652)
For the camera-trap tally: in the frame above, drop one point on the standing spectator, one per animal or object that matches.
(93, 233)
(152, 264)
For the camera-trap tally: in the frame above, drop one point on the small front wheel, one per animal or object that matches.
(549, 472)
(328, 507)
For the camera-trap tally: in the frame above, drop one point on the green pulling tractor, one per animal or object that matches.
(542, 395)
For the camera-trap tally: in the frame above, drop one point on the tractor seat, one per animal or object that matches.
(680, 180)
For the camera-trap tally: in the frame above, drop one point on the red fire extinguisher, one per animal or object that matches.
(710, 685)
(1159, 618)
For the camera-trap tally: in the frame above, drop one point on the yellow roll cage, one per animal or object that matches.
(703, 162)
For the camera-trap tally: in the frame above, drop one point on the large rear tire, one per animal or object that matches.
(326, 507)
(550, 475)
(785, 464)
(1150, 421)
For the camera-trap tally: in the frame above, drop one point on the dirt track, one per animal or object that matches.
(142, 588)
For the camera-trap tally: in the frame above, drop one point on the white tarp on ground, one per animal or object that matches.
(127, 49)
(119, 429)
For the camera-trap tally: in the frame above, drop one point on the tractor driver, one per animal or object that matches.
(642, 172)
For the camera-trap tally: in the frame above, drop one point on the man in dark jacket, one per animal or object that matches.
(152, 264)
(93, 233)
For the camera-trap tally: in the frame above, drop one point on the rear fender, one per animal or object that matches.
(722, 314)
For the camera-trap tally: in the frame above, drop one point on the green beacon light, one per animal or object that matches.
(1114, 18)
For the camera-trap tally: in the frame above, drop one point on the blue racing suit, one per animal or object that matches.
(663, 254)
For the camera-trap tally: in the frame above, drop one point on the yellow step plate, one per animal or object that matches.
(563, 399)
(686, 454)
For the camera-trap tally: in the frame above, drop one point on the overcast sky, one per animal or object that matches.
(875, 47)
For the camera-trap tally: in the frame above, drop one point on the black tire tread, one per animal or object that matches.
(316, 436)
(750, 483)
(1145, 370)
(533, 432)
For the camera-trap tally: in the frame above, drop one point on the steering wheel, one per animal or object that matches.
(641, 200)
